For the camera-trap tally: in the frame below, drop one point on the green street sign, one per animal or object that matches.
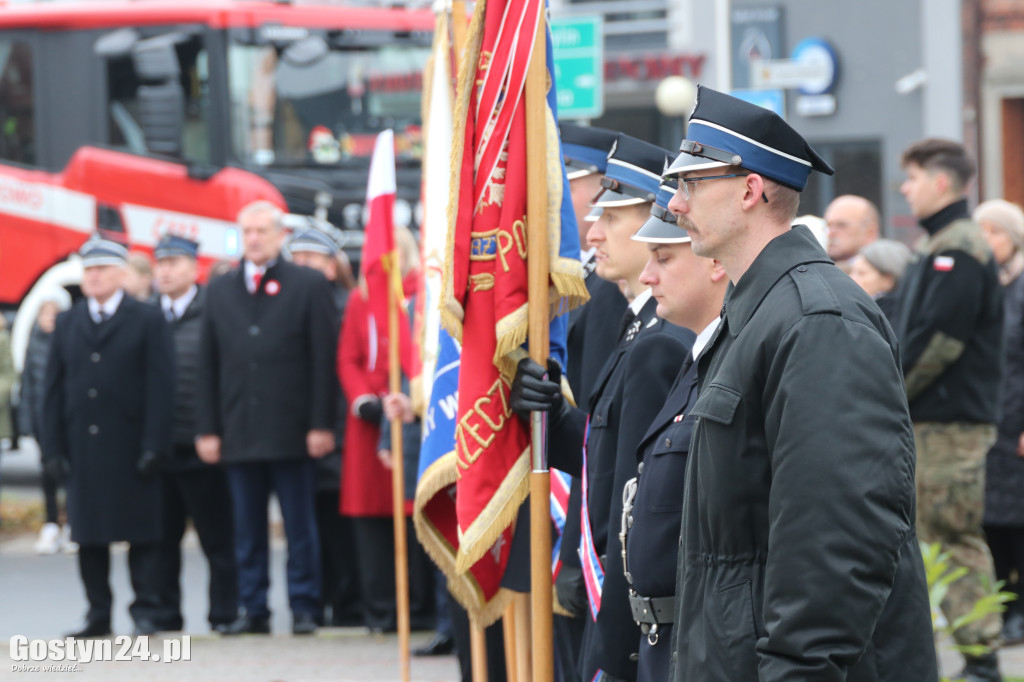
(579, 65)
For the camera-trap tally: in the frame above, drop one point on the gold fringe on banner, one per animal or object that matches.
(452, 312)
(435, 480)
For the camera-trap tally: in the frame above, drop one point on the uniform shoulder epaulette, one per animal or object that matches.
(960, 235)
(816, 295)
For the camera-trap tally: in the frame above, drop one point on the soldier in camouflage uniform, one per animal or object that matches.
(950, 334)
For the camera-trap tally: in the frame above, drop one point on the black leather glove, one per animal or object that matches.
(58, 468)
(148, 464)
(532, 391)
(371, 411)
(571, 591)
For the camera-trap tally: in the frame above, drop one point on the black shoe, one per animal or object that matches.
(347, 620)
(221, 628)
(91, 628)
(169, 624)
(144, 627)
(441, 645)
(303, 624)
(1013, 628)
(980, 669)
(246, 625)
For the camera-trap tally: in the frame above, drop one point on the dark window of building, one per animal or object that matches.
(17, 130)
(858, 171)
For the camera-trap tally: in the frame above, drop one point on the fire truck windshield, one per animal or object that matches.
(302, 98)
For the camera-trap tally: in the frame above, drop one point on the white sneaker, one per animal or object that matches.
(49, 541)
(69, 546)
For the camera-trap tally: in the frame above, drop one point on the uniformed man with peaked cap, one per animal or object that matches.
(191, 489)
(628, 391)
(798, 557)
(107, 413)
(689, 291)
(592, 337)
(341, 596)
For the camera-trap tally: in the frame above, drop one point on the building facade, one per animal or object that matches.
(874, 77)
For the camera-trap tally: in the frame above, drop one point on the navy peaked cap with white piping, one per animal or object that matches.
(99, 251)
(585, 149)
(313, 240)
(173, 245)
(731, 131)
(634, 173)
(662, 227)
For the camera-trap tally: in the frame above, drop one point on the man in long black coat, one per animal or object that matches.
(108, 411)
(266, 407)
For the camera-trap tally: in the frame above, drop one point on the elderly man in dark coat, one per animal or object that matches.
(798, 556)
(108, 418)
(266, 399)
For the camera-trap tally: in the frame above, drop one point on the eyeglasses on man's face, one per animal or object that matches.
(684, 183)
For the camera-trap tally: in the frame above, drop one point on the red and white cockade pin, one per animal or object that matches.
(943, 263)
(272, 287)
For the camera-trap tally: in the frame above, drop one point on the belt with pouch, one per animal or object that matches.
(650, 612)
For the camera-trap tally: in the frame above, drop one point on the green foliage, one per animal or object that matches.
(940, 576)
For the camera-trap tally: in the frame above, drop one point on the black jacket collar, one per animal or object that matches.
(955, 211)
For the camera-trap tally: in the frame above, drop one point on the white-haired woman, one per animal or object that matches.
(878, 268)
(1003, 225)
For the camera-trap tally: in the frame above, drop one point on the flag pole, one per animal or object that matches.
(538, 268)
(508, 624)
(477, 651)
(397, 471)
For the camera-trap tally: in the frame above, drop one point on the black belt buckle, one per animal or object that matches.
(643, 609)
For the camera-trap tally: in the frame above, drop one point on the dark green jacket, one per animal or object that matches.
(798, 555)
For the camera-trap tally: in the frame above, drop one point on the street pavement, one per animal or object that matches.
(41, 598)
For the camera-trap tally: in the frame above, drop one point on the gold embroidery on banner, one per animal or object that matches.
(482, 282)
(519, 232)
(481, 423)
(484, 245)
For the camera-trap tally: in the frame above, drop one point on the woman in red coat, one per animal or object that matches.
(365, 480)
(363, 371)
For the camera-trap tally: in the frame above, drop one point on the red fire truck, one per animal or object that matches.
(135, 118)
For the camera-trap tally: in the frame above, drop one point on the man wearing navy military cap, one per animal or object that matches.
(342, 600)
(689, 292)
(191, 488)
(592, 337)
(107, 416)
(799, 559)
(629, 390)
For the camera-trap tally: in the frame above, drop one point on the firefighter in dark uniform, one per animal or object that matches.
(594, 327)
(798, 557)
(342, 601)
(593, 335)
(191, 488)
(630, 389)
(108, 415)
(689, 290)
